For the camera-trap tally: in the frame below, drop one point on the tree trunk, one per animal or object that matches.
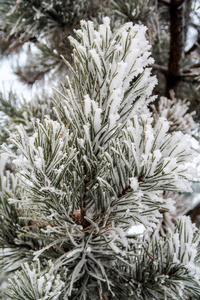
(176, 51)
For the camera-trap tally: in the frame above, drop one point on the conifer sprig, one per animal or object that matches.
(99, 168)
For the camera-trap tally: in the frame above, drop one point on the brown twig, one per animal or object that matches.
(42, 223)
(165, 2)
(124, 191)
(160, 68)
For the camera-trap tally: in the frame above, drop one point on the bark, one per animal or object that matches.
(176, 51)
(194, 214)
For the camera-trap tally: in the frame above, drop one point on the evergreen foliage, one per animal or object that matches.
(40, 284)
(89, 173)
(176, 112)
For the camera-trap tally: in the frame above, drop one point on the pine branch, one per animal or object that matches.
(194, 47)
(96, 168)
(83, 202)
(190, 71)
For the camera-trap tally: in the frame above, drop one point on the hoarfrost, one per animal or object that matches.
(96, 58)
